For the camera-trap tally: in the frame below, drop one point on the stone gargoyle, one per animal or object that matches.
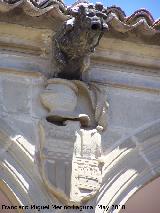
(77, 39)
(70, 134)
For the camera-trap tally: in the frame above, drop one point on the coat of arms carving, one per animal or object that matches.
(70, 146)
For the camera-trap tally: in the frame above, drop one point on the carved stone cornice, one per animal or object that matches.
(140, 23)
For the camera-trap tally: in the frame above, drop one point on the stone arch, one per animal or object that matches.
(132, 163)
(7, 198)
(18, 169)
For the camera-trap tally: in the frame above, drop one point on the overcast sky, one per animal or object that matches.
(129, 6)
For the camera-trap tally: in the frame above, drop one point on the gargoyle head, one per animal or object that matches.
(78, 38)
(90, 20)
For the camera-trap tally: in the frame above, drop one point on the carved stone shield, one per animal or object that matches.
(69, 161)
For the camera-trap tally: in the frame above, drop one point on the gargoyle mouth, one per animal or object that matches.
(96, 26)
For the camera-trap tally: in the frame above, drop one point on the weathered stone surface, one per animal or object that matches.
(16, 96)
(70, 100)
(77, 39)
(69, 155)
(86, 165)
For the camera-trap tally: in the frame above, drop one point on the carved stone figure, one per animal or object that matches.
(77, 39)
(70, 135)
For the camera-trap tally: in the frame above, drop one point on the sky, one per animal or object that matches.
(129, 6)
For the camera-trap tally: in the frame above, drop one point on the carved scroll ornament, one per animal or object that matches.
(75, 100)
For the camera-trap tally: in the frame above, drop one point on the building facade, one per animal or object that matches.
(73, 142)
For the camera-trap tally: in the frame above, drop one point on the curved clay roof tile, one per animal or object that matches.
(141, 13)
(32, 7)
(118, 11)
